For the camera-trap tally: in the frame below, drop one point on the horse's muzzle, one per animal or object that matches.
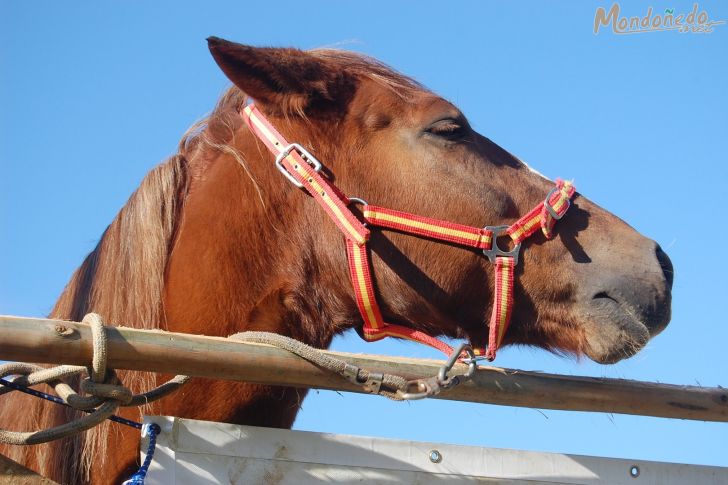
(629, 308)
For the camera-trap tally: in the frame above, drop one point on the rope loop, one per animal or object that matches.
(104, 391)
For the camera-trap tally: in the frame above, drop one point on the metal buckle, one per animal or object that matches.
(551, 209)
(307, 157)
(372, 384)
(494, 250)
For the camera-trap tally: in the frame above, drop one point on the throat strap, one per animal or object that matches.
(303, 170)
(375, 327)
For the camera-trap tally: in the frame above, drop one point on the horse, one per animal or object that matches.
(216, 241)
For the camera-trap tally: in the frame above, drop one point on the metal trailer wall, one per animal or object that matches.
(200, 452)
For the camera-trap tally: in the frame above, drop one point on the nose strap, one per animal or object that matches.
(301, 168)
(475, 237)
(557, 202)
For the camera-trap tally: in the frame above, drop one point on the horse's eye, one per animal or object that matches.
(447, 128)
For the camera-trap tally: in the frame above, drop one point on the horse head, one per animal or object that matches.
(600, 288)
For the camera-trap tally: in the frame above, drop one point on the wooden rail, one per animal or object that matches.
(12, 473)
(56, 342)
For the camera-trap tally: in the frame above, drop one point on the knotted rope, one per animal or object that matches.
(105, 393)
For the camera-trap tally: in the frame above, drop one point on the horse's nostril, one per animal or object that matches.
(603, 295)
(665, 264)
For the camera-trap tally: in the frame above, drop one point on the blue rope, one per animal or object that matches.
(151, 429)
(58, 400)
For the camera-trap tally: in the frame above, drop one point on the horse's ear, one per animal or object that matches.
(289, 80)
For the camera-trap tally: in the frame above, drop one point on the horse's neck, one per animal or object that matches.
(240, 262)
(235, 266)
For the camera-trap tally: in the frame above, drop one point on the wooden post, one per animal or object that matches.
(57, 341)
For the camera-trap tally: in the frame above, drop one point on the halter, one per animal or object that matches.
(303, 170)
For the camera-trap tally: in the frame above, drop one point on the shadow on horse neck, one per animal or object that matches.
(216, 241)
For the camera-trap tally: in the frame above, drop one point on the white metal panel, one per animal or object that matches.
(197, 452)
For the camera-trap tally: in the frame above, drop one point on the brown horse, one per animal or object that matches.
(216, 241)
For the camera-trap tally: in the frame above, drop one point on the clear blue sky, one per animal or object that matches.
(94, 94)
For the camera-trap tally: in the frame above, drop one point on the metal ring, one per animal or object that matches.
(357, 200)
(494, 250)
(424, 389)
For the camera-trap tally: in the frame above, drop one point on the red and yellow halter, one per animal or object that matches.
(302, 169)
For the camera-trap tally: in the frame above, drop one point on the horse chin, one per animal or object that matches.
(613, 332)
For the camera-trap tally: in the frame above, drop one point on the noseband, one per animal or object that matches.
(303, 170)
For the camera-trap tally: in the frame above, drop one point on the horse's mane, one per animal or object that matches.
(122, 279)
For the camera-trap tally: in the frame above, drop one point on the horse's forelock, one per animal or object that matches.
(365, 67)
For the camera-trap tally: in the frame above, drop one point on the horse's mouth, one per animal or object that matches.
(613, 330)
